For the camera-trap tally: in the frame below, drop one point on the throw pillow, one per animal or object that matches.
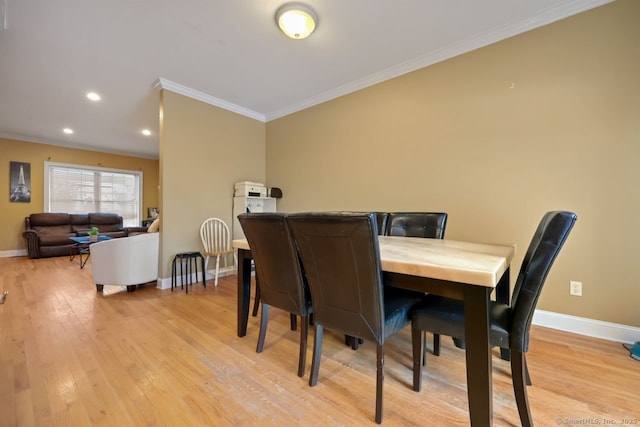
(155, 226)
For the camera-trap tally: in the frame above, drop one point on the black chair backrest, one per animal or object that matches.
(542, 252)
(276, 259)
(417, 224)
(381, 218)
(341, 259)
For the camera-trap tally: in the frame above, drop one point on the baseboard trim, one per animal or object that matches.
(9, 254)
(588, 327)
(563, 322)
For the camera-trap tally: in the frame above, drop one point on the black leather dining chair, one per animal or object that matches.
(381, 219)
(417, 224)
(430, 225)
(282, 282)
(341, 259)
(510, 324)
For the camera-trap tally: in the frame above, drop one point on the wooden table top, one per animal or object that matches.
(464, 262)
(455, 261)
(240, 244)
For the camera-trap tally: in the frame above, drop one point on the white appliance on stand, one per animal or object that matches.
(250, 197)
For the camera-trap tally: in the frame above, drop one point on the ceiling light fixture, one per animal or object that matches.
(296, 20)
(93, 96)
(68, 131)
(146, 132)
(3, 14)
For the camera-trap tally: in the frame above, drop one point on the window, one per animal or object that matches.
(84, 189)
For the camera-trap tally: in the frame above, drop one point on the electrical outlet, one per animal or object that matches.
(575, 288)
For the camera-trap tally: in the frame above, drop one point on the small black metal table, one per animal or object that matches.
(81, 247)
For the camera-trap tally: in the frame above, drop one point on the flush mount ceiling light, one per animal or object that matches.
(3, 14)
(296, 20)
(93, 96)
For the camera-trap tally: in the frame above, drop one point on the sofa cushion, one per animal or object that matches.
(45, 230)
(106, 228)
(98, 218)
(47, 219)
(106, 222)
(56, 239)
(155, 226)
(79, 222)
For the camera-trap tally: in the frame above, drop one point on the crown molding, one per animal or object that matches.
(564, 10)
(489, 37)
(76, 145)
(207, 99)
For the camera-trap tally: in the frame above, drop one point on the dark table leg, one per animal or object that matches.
(88, 254)
(244, 290)
(478, 354)
(503, 295)
(80, 249)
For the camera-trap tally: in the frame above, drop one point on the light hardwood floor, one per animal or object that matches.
(72, 356)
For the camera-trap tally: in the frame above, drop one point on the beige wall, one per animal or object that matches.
(204, 150)
(12, 214)
(496, 137)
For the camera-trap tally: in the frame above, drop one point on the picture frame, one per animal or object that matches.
(20, 182)
(153, 213)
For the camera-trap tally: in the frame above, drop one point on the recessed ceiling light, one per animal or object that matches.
(146, 132)
(68, 131)
(93, 96)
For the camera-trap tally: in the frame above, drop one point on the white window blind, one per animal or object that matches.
(84, 189)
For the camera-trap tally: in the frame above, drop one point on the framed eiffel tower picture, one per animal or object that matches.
(20, 182)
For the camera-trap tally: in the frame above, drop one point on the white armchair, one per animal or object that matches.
(128, 261)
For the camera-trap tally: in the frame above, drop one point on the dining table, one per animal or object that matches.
(467, 271)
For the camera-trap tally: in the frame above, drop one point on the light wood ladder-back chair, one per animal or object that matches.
(216, 240)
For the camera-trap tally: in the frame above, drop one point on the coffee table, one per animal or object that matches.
(81, 247)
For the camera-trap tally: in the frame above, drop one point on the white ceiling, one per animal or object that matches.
(229, 53)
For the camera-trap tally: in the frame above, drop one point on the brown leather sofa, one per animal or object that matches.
(48, 234)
